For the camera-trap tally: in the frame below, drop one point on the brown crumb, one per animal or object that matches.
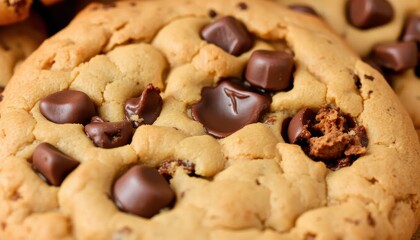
(334, 138)
(169, 167)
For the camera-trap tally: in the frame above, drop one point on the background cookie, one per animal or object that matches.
(17, 42)
(147, 68)
(12, 11)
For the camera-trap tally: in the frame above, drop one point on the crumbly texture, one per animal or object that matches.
(406, 85)
(17, 42)
(249, 185)
(12, 11)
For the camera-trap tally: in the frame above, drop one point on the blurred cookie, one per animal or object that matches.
(12, 11)
(17, 42)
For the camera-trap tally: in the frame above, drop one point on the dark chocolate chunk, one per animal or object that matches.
(228, 107)
(396, 56)
(229, 34)
(144, 109)
(109, 134)
(412, 29)
(68, 106)
(303, 8)
(365, 14)
(297, 128)
(142, 191)
(270, 70)
(53, 165)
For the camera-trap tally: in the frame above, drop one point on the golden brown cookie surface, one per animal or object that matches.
(250, 184)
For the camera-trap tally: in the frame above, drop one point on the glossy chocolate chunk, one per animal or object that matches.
(228, 107)
(303, 8)
(298, 126)
(229, 34)
(52, 164)
(144, 109)
(109, 134)
(396, 56)
(68, 106)
(270, 70)
(412, 29)
(365, 14)
(142, 191)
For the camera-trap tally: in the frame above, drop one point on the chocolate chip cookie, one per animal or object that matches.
(12, 11)
(385, 32)
(17, 42)
(193, 119)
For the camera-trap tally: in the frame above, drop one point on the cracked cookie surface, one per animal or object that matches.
(249, 184)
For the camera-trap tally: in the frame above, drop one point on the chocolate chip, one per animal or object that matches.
(396, 56)
(229, 34)
(146, 108)
(142, 191)
(68, 106)
(228, 107)
(52, 164)
(242, 6)
(270, 70)
(365, 14)
(412, 29)
(298, 126)
(212, 13)
(303, 8)
(109, 134)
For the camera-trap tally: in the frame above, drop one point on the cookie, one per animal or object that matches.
(17, 42)
(12, 11)
(368, 29)
(199, 119)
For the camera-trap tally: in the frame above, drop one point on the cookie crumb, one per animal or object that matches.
(169, 167)
(330, 136)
